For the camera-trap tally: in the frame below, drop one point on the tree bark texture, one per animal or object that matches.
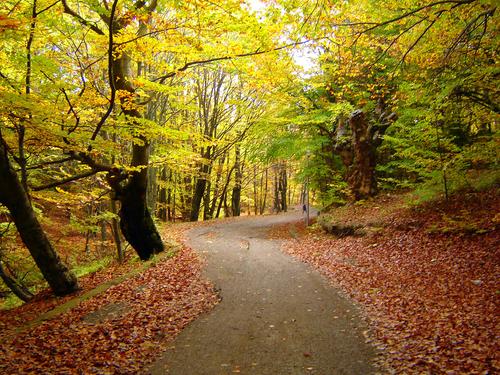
(361, 174)
(136, 222)
(356, 141)
(14, 197)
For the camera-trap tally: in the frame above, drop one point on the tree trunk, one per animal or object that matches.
(276, 204)
(116, 234)
(264, 193)
(361, 176)
(255, 192)
(200, 186)
(216, 193)
(199, 192)
(236, 196)
(136, 222)
(162, 198)
(18, 289)
(14, 197)
(283, 185)
(152, 190)
(206, 201)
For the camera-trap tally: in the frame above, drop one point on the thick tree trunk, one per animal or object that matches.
(15, 198)
(361, 176)
(356, 142)
(235, 201)
(136, 222)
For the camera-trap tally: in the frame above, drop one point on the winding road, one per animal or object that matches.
(277, 315)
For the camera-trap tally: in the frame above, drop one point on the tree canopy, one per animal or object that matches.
(118, 114)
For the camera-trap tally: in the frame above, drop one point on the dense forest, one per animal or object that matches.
(118, 117)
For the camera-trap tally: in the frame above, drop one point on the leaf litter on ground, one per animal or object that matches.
(119, 331)
(428, 281)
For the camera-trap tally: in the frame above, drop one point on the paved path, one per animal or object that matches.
(277, 315)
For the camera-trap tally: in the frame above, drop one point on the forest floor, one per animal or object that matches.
(120, 320)
(424, 277)
(427, 278)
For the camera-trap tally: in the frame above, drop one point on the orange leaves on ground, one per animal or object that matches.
(118, 331)
(431, 295)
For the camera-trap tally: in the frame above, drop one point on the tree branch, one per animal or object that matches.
(9, 82)
(468, 29)
(223, 58)
(111, 77)
(394, 40)
(419, 38)
(71, 110)
(146, 34)
(80, 19)
(47, 8)
(64, 180)
(410, 13)
(50, 162)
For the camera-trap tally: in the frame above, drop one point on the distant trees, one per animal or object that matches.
(82, 102)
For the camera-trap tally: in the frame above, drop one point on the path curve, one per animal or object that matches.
(277, 315)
